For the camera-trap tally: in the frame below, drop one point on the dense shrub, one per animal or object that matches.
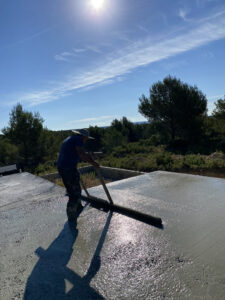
(47, 167)
(194, 161)
(9, 153)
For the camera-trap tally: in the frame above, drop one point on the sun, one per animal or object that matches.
(97, 4)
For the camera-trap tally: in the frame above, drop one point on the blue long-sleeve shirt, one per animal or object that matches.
(68, 157)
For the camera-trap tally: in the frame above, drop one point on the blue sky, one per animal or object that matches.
(79, 66)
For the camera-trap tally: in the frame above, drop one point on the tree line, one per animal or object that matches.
(177, 118)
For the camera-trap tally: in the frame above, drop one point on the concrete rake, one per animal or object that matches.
(110, 206)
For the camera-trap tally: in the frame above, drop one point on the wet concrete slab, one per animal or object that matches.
(110, 256)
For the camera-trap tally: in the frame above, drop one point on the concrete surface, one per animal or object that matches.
(111, 256)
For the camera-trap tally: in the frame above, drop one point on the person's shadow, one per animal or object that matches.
(47, 280)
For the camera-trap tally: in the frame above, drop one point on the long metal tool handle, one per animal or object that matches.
(83, 186)
(104, 186)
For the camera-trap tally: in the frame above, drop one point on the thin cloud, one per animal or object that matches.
(137, 119)
(105, 82)
(66, 56)
(79, 50)
(183, 13)
(137, 54)
(98, 121)
(86, 120)
(216, 97)
(29, 38)
(94, 49)
(121, 35)
(142, 28)
(60, 57)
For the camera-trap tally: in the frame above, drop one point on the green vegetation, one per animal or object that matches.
(177, 107)
(179, 136)
(88, 179)
(27, 142)
(136, 156)
(8, 152)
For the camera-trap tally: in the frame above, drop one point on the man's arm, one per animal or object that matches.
(86, 157)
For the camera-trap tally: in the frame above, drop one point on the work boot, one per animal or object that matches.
(71, 210)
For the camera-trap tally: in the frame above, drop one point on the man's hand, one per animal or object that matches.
(95, 164)
(86, 157)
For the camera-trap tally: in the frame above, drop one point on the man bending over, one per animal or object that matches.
(70, 154)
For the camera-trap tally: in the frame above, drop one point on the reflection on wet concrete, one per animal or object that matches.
(47, 280)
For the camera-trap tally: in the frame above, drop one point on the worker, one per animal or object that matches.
(70, 154)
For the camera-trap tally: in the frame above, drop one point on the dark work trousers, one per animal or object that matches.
(71, 180)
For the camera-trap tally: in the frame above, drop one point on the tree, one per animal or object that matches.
(113, 138)
(9, 153)
(219, 111)
(24, 131)
(49, 145)
(95, 145)
(176, 106)
(127, 128)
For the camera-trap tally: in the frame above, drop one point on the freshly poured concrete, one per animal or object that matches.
(110, 256)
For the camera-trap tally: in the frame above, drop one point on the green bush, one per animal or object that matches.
(156, 139)
(194, 161)
(47, 167)
(215, 163)
(9, 153)
(177, 164)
